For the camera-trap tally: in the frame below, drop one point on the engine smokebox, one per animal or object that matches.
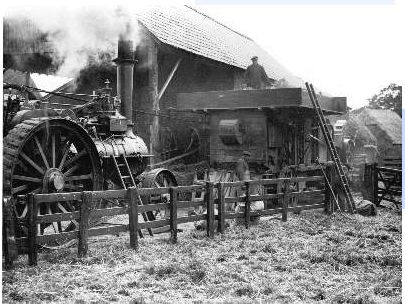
(125, 75)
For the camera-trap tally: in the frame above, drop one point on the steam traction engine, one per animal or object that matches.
(89, 147)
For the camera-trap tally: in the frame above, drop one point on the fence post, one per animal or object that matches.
(85, 208)
(32, 230)
(286, 198)
(221, 207)
(371, 181)
(173, 214)
(375, 184)
(133, 197)
(210, 209)
(247, 204)
(10, 249)
(367, 183)
(337, 198)
(8, 260)
(328, 192)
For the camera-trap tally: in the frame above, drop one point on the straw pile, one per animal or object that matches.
(312, 258)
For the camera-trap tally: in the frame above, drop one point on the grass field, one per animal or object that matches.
(312, 258)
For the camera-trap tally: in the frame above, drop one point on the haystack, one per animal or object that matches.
(356, 130)
(386, 127)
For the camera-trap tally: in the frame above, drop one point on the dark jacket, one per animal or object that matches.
(242, 170)
(255, 76)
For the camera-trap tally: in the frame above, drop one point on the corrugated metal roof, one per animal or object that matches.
(185, 28)
(50, 82)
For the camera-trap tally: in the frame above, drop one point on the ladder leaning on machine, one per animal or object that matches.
(332, 149)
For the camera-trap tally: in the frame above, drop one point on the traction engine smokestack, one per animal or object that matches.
(125, 75)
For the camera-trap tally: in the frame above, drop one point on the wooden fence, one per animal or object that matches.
(214, 199)
(382, 183)
(393, 162)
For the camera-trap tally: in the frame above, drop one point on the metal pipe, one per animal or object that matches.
(30, 88)
(175, 158)
(125, 75)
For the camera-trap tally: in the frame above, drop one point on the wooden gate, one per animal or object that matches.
(383, 183)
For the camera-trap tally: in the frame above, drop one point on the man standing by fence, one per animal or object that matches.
(242, 167)
(242, 172)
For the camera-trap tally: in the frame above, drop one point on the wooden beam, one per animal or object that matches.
(85, 209)
(175, 158)
(221, 207)
(27, 83)
(32, 230)
(133, 217)
(210, 209)
(169, 78)
(247, 205)
(235, 99)
(173, 215)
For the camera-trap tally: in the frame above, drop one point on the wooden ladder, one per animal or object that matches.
(127, 181)
(332, 149)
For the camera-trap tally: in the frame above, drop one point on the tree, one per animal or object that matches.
(389, 98)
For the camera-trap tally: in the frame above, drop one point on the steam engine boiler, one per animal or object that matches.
(89, 147)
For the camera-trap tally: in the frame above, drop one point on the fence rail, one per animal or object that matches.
(214, 200)
(393, 162)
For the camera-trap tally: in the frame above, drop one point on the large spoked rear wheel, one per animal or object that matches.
(50, 155)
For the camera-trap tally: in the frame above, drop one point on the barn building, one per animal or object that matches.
(206, 60)
(204, 55)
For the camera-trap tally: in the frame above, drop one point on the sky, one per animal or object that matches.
(345, 50)
(351, 50)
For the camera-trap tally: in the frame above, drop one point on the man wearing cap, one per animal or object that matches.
(242, 172)
(255, 75)
(242, 167)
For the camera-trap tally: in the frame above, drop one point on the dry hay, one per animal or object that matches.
(310, 258)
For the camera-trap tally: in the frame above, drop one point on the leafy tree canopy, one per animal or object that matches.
(389, 98)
